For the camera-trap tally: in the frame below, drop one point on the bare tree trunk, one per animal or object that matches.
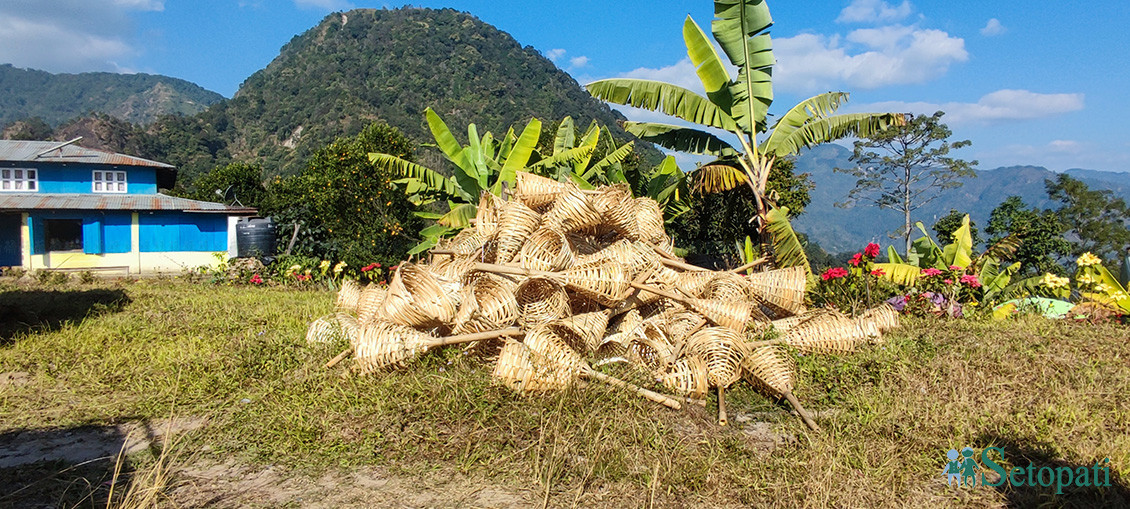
(906, 210)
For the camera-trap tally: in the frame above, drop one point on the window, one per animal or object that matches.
(19, 180)
(109, 181)
(63, 234)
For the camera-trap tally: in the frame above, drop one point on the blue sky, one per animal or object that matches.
(1034, 82)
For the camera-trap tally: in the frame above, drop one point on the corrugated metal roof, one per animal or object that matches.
(41, 151)
(140, 202)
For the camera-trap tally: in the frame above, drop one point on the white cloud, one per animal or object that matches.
(874, 11)
(1058, 155)
(865, 58)
(329, 5)
(578, 62)
(993, 27)
(681, 73)
(554, 54)
(70, 35)
(1000, 106)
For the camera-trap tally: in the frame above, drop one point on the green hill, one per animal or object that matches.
(135, 98)
(364, 65)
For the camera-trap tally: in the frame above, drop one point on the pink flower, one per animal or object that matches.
(971, 280)
(872, 250)
(256, 280)
(834, 273)
(955, 267)
(928, 272)
(947, 281)
(855, 260)
(878, 272)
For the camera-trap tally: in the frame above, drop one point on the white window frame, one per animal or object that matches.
(19, 180)
(108, 181)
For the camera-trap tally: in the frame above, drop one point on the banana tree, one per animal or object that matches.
(737, 104)
(571, 159)
(483, 165)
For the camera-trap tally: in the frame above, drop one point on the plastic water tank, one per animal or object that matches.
(255, 236)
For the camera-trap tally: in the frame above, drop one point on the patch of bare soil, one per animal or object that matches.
(76, 445)
(235, 485)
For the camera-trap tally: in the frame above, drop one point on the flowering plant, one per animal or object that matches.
(852, 289)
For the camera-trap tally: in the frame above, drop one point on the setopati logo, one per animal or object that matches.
(961, 469)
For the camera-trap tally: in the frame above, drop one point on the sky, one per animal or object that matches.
(1029, 83)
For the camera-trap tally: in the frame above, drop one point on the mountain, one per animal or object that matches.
(365, 65)
(844, 229)
(135, 98)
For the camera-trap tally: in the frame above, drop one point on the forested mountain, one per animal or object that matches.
(135, 98)
(366, 65)
(840, 229)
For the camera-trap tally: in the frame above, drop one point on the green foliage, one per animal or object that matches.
(905, 168)
(787, 249)
(1095, 218)
(1040, 233)
(32, 129)
(348, 209)
(239, 181)
(946, 225)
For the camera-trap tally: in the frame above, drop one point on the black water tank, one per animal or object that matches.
(255, 236)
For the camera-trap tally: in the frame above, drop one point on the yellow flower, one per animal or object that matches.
(1088, 259)
(1085, 279)
(340, 267)
(324, 265)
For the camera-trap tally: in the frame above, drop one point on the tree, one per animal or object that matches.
(738, 105)
(235, 181)
(34, 128)
(949, 223)
(1039, 232)
(1095, 218)
(913, 168)
(347, 208)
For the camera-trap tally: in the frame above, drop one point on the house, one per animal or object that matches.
(65, 207)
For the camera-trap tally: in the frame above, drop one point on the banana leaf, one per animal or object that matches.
(787, 249)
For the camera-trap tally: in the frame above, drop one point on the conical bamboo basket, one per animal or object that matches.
(650, 347)
(516, 222)
(369, 303)
(523, 370)
(486, 215)
(694, 284)
(540, 301)
(467, 242)
(589, 327)
(324, 329)
(780, 288)
(825, 333)
(385, 344)
(883, 316)
(572, 211)
(726, 286)
(606, 282)
(350, 327)
(417, 299)
(649, 222)
(771, 369)
(723, 350)
(547, 250)
(687, 377)
(538, 192)
(348, 296)
(487, 304)
(583, 244)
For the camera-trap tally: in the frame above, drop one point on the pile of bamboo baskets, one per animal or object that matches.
(556, 280)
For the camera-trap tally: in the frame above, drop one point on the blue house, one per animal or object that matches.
(65, 207)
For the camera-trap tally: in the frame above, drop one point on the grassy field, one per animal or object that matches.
(229, 368)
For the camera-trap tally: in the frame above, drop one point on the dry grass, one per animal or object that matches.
(1052, 393)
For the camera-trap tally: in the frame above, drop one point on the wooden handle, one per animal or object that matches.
(804, 415)
(682, 265)
(659, 292)
(340, 357)
(750, 265)
(666, 401)
(476, 336)
(770, 342)
(722, 418)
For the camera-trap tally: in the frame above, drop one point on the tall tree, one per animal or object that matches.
(737, 104)
(1040, 233)
(1095, 218)
(907, 167)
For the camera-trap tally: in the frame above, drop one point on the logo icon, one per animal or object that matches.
(961, 468)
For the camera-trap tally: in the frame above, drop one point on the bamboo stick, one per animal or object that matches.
(750, 265)
(804, 415)
(722, 418)
(666, 401)
(443, 341)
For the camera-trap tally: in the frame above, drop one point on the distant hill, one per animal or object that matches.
(135, 98)
(839, 229)
(365, 65)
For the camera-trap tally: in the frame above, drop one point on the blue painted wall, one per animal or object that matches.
(178, 231)
(80, 179)
(116, 232)
(10, 240)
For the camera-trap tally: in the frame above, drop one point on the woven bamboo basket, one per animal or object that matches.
(883, 316)
(572, 211)
(682, 323)
(582, 244)
(486, 215)
(649, 222)
(546, 249)
(723, 350)
(580, 304)
(369, 303)
(607, 198)
(521, 369)
(662, 277)
(540, 301)
(538, 192)
(780, 288)
(636, 257)
(621, 217)
(694, 283)
(650, 347)
(417, 299)
(323, 329)
(384, 344)
(726, 286)
(452, 269)
(516, 222)
(770, 369)
(350, 327)
(869, 330)
(467, 242)
(606, 282)
(589, 327)
(488, 303)
(686, 377)
(825, 333)
(348, 296)
(625, 322)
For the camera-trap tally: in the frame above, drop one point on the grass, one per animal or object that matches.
(1053, 393)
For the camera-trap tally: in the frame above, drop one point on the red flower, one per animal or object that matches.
(872, 250)
(931, 272)
(370, 266)
(834, 273)
(971, 280)
(955, 267)
(256, 280)
(855, 260)
(878, 272)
